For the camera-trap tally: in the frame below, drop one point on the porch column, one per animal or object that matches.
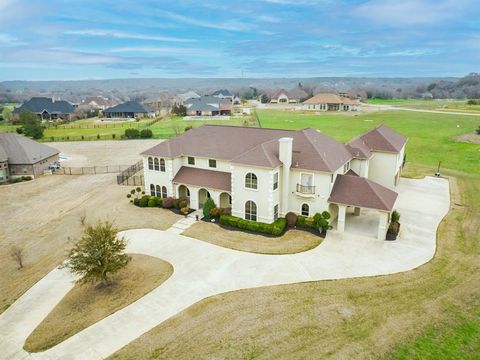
(356, 211)
(382, 226)
(341, 218)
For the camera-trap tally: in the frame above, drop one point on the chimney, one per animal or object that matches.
(285, 146)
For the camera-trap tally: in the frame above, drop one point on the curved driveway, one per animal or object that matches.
(202, 270)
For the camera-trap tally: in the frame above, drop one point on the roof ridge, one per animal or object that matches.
(370, 184)
(313, 145)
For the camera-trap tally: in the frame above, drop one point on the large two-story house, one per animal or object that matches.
(262, 174)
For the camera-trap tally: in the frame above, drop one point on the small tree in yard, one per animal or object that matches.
(207, 207)
(478, 130)
(16, 252)
(31, 125)
(98, 254)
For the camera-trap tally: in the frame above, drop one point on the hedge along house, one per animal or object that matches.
(21, 156)
(263, 174)
(128, 110)
(47, 109)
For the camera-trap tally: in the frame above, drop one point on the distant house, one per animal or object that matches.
(188, 95)
(21, 156)
(98, 102)
(293, 96)
(128, 110)
(47, 109)
(224, 94)
(208, 105)
(237, 101)
(330, 102)
(161, 101)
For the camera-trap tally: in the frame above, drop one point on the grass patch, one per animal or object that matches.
(85, 305)
(364, 318)
(458, 338)
(293, 241)
(431, 137)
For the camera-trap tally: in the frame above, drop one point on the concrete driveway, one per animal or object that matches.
(202, 270)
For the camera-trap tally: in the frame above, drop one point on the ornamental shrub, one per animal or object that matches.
(146, 134)
(207, 207)
(395, 216)
(132, 133)
(279, 226)
(184, 210)
(143, 202)
(159, 201)
(167, 203)
(152, 202)
(225, 211)
(136, 202)
(183, 203)
(301, 221)
(215, 212)
(326, 215)
(176, 204)
(309, 222)
(291, 219)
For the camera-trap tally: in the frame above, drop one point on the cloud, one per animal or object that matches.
(411, 12)
(231, 25)
(191, 51)
(9, 40)
(125, 35)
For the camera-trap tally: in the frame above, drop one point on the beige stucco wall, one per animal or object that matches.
(360, 166)
(264, 196)
(382, 168)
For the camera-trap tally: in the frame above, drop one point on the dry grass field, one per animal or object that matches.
(42, 215)
(344, 319)
(293, 241)
(86, 304)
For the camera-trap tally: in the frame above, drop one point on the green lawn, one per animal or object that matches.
(430, 136)
(436, 104)
(457, 339)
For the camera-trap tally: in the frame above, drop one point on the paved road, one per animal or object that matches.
(202, 270)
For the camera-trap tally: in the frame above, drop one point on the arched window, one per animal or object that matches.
(250, 210)
(159, 192)
(162, 165)
(305, 210)
(164, 192)
(152, 190)
(251, 181)
(156, 164)
(150, 163)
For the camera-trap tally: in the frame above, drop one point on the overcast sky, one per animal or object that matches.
(46, 40)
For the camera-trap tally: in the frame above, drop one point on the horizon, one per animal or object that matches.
(266, 39)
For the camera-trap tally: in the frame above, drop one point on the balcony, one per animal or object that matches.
(305, 190)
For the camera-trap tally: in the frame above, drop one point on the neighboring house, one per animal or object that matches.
(188, 95)
(128, 110)
(265, 173)
(293, 96)
(98, 102)
(162, 101)
(20, 156)
(208, 105)
(237, 101)
(47, 109)
(224, 94)
(330, 102)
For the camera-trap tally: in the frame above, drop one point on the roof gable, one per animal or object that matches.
(128, 107)
(381, 138)
(39, 104)
(22, 150)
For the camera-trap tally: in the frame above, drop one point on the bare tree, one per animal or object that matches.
(16, 252)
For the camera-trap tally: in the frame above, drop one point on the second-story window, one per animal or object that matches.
(212, 163)
(157, 167)
(150, 163)
(251, 181)
(162, 165)
(191, 160)
(275, 181)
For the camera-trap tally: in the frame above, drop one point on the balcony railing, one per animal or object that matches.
(304, 189)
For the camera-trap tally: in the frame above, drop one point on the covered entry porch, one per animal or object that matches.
(361, 206)
(197, 185)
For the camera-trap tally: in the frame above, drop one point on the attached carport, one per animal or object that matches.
(354, 191)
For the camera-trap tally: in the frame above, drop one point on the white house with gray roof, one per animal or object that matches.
(262, 174)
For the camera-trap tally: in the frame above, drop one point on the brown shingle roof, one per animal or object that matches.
(210, 179)
(381, 138)
(22, 150)
(312, 150)
(359, 191)
(324, 98)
